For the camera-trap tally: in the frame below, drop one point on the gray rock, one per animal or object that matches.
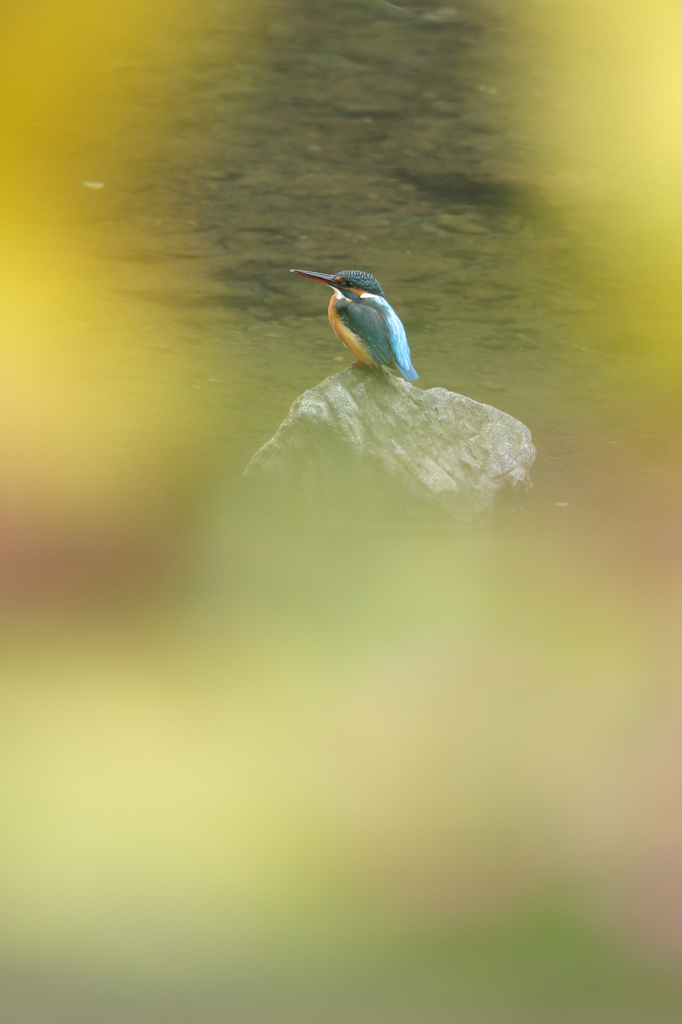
(367, 446)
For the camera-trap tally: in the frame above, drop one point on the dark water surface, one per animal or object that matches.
(398, 140)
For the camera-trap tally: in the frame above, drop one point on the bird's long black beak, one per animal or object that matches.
(324, 278)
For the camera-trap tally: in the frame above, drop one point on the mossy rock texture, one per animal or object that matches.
(366, 446)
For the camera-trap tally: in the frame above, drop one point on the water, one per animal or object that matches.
(407, 145)
(338, 773)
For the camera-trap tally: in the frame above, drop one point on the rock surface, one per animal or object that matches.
(367, 446)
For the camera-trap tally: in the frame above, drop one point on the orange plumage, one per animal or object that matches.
(352, 342)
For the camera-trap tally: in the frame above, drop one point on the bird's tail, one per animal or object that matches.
(409, 372)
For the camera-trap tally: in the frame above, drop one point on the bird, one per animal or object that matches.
(363, 320)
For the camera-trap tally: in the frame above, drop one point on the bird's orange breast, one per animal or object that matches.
(352, 342)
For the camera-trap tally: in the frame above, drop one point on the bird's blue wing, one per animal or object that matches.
(369, 325)
(397, 339)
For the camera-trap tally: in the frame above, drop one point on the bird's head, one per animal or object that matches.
(350, 283)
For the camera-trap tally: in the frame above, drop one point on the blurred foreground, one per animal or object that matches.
(355, 772)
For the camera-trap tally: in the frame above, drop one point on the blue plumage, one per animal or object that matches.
(397, 338)
(379, 327)
(364, 321)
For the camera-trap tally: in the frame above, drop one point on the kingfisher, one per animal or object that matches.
(363, 320)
